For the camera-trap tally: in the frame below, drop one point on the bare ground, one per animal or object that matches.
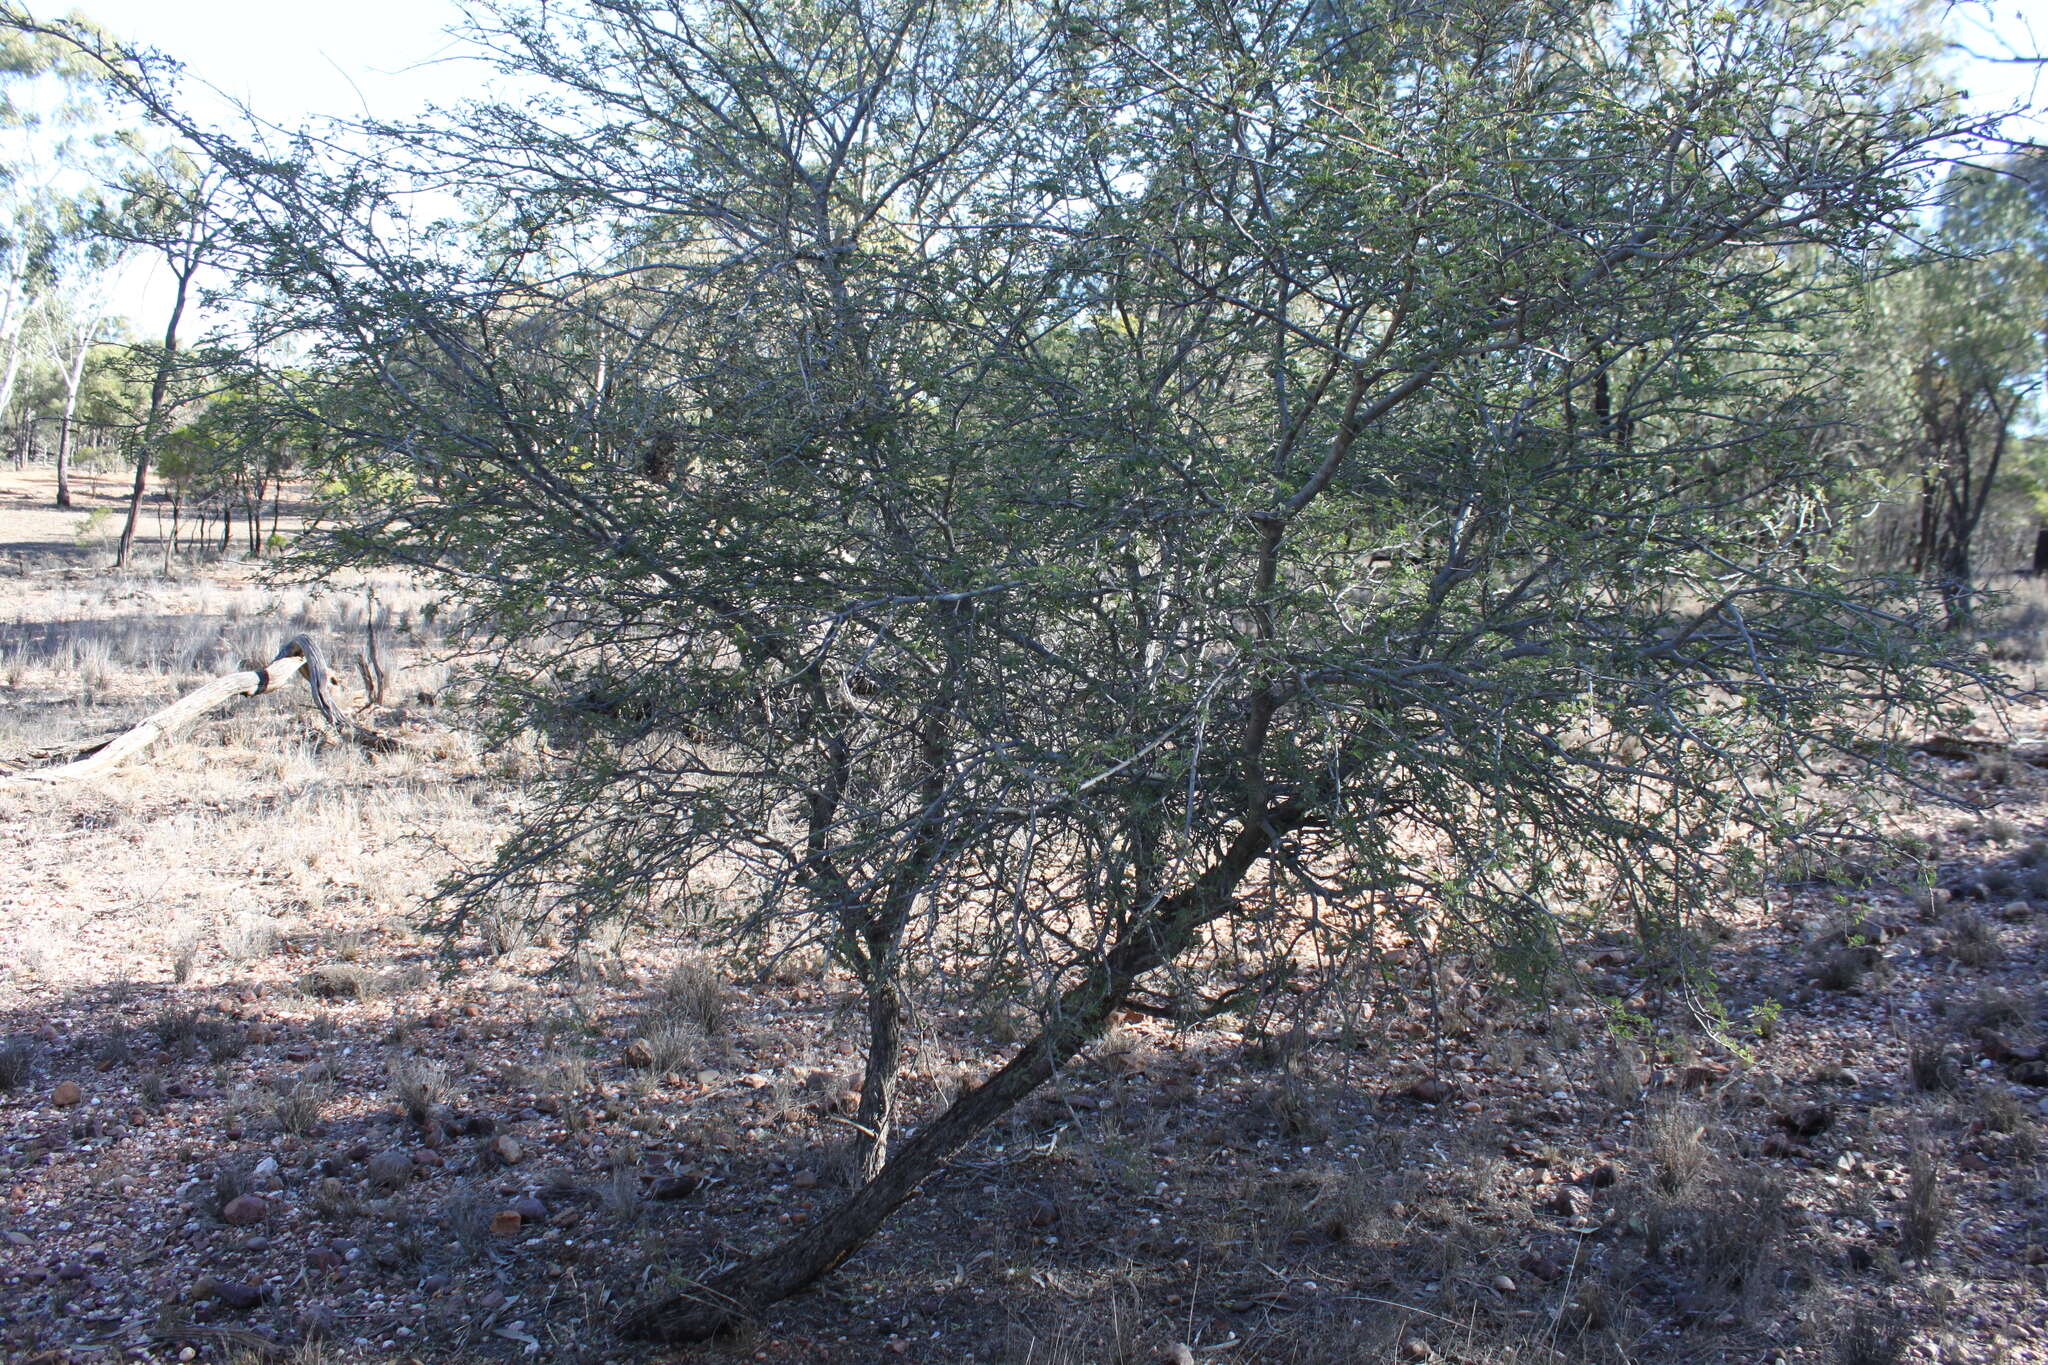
(245, 1115)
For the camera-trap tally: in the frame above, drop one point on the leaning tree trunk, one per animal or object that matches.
(1082, 1013)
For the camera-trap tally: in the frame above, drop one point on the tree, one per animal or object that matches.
(1955, 353)
(1098, 506)
(78, 322)
(47, 198)
(167, 205)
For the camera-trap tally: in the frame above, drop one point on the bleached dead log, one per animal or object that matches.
(300, 655)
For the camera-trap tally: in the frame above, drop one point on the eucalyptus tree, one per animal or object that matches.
(1953, 354)
(1041, 499)
(79, 319)
(167, 204)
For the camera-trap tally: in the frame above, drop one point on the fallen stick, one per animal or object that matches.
(300, 654)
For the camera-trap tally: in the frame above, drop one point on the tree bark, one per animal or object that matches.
(1080, 1016)
(879, 1077)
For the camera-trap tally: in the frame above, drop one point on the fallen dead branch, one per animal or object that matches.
(300, 655)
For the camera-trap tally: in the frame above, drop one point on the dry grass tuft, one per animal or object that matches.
(418, 1084)
(694, 993)
(1874, 1336)
(1678, 1150)
(1921, 1224)
(298, 1109)
(1972, 940)
(1933, 1066)
(16, 1062)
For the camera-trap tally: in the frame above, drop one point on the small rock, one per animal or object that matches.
(243, 1210)
(677, 1186)
(1807, 1121)
(2000, 1048)
(1428, 1090)
(66, 1094)
(390, 1170)
(506, 1223)
(505, 1149)
(1701, 1076)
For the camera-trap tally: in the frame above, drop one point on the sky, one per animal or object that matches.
(290, 60)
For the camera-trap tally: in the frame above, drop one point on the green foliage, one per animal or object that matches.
(1043, 508)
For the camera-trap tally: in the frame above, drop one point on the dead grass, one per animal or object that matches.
(1973, 940)
(1199, 1182)
(419, 1085)
(1925, 1213)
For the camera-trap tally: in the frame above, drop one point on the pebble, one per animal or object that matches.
(389, 1170)
(506, 1148)
(66, 1094)
(243, 1210)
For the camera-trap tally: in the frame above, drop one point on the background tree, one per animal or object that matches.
(79, 320)
(1953, 361)
(166, 206)
(1091, 506)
